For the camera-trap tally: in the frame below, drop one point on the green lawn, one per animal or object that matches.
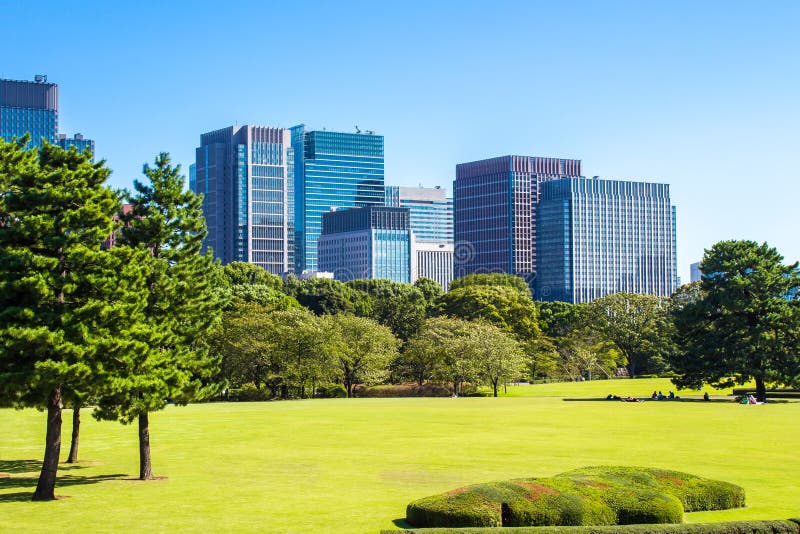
(351, 466)
(642, 388)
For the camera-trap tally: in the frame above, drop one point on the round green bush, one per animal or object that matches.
(588, 496)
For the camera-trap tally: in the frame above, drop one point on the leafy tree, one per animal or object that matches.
(502, 305)
(638, 325)
(362, 349)
(543, 357)
(243, 346)
(260, 294)
(493, 279)
(424, 354)
(450, 347)
(498, 355)
(182, 306)
(242, 273)
(741, 322)
(299, 342)
(559, 319)
(326, 296)
(431, 291)
(399, 306)
(65, 304)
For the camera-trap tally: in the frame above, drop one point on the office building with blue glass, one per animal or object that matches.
(77, 141)
(431, 216)
(332, 170)
(369, 242)
(495, 212)
(246, 176)
(597, 237)
(29, 107)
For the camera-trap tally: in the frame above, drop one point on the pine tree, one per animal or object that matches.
(182, 308)
(65, 304)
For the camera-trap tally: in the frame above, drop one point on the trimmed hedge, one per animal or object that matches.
(729, 527)
(589, 496)
(697, 494)
(402, 390)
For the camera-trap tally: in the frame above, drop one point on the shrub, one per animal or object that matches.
(331, 391)
(589, 496)
(729, 527)
(697, 494)
(248, 393)
(402, 390)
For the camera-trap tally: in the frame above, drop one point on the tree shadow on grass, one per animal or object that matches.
(29, 466)
(728, 400)
(61, 482)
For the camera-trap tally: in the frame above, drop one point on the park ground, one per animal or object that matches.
(351, 466)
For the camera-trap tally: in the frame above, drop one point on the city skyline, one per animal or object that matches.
(699, 97)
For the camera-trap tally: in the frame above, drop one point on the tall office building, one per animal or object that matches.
(246, 174)
(431, 217)
(597, 237)
(77, 141)
(694, 272)
(29, 107)
(495, 212)
(332, 170)
(369, 242)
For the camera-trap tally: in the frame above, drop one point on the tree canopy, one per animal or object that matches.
(742, 321)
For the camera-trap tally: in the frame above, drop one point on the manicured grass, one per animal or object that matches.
(351, 466)
(641, 388)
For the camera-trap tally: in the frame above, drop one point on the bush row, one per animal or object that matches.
(729, 527)
(402, 390)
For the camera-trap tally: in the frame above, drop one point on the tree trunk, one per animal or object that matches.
(145, 465)
(494, 386)
(349, 387)
(76, 432)
(45, 489)
(761, 390)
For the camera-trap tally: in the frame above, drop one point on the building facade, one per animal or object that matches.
(598, 237)
(77, 141)
(495, 212)
(246, 174)
(332, 170)
(431, 216)
(369, 242)
(694, 272)
(29, 107)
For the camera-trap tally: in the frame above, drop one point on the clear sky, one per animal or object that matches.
(701, 95)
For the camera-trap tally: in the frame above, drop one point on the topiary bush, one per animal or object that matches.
(697, 494)
(588, 496)
(728, 527)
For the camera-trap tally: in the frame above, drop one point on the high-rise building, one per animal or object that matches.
(369, 242)
(246, 174)
(29, 107)
(431, 211)
(597, 237)
(694, 272)
(431, 215)
(77, 141)
(332, 170)
(495, 212)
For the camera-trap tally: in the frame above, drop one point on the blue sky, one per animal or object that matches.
(700, 95)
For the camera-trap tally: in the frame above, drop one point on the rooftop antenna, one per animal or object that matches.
(357, 130)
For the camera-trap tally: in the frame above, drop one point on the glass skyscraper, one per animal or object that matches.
(495, 212)
(369, 242)
(431, 216)
(77, 141)
(29, 107)
(332, 170)
(598, 237)
(246, 174)
(431, 211)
